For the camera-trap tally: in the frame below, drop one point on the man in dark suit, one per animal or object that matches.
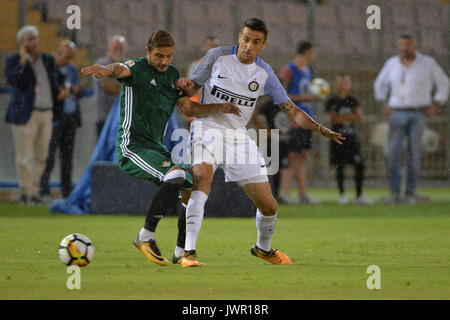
(37, 86)
(67, 119)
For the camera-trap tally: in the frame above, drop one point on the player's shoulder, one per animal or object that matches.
(220, 51)
(264, 65)
(173, 72)
(212, 55)
(136, 62)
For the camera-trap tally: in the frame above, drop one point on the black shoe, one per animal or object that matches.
(175, 259)
(23, 199)
(35, 201)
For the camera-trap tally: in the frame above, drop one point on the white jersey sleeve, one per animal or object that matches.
(273, 87)
(204, 68)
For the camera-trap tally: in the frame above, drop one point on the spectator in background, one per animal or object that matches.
(296, 78)
(65, 122)
(209, 43)
(404, 88)
(345, 112)
(107, 90)
(37, 86)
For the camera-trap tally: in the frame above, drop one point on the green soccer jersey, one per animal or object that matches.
(147, 101)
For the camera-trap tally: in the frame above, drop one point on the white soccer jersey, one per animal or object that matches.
(225, 79)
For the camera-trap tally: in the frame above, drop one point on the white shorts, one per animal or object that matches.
(238, 156)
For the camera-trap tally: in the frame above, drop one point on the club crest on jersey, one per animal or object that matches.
(165, 164)
(253, 86)
(232, 97)
(130, 63)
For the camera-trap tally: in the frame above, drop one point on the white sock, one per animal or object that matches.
(265, 226)
(178, 251)
(194, 218)
(145, 235)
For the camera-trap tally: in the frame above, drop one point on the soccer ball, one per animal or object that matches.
(319, 88)
(76, 249)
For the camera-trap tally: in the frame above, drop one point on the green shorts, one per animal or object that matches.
(150, 164)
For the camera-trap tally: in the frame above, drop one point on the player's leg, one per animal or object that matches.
(163, 199)
(266, 216)
(203, 174)
(180, 209)
(154, 165)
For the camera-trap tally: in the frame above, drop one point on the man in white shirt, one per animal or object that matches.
(237, 75)
(404, 89)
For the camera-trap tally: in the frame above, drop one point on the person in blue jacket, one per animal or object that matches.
(36, 87)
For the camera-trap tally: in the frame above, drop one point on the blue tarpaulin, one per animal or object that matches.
(79, 200)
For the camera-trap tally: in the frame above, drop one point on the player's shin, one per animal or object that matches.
(265, 226)
(164, 198)
(194, 218)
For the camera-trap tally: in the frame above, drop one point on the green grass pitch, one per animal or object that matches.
(330, 246)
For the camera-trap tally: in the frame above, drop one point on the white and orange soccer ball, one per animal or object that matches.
(76, 249)
(319, 88)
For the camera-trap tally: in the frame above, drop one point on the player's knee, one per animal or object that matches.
(202, 179)
(175, 177)
(270, 208)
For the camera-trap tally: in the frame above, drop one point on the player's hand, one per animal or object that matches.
(336, 137)
(230, 108)
(386, 110)
(97, 71)
(431, 110)
(184, 84)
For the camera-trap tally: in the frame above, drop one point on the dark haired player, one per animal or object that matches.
(148, 99)
(237, 74)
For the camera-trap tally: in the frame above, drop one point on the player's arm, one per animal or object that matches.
(194, 109)
(305, 121)
(115, 70)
